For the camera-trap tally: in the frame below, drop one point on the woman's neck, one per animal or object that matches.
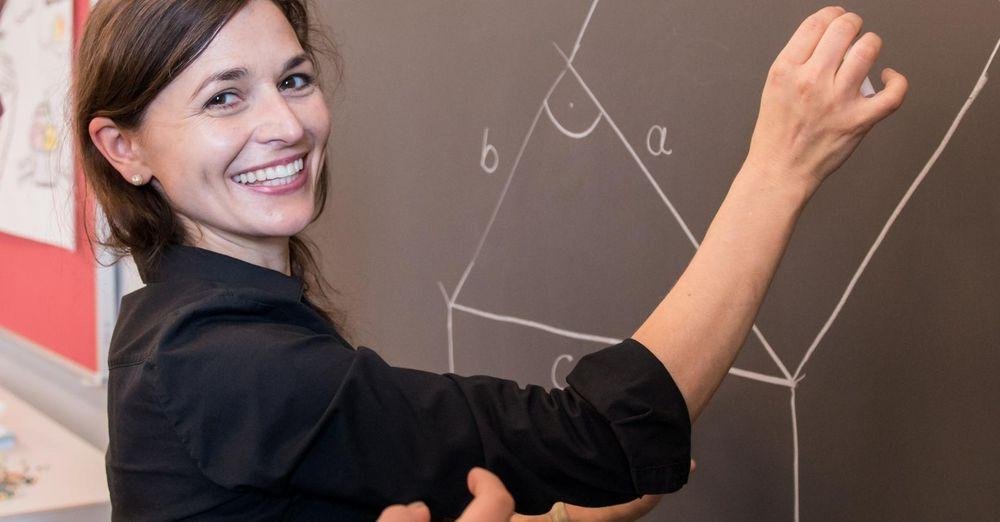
(268, 252)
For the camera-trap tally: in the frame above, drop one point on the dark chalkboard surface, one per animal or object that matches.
(494, 210)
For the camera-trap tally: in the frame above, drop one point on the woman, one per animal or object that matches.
(232, 394)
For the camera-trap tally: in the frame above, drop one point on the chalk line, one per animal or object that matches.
(575, 135)
(579, 36)
(795, 454)
(769, 379)
(537, 325)
(663, 197)
(517, 160)
(899, 208)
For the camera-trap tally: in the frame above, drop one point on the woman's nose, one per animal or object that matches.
(277, 121)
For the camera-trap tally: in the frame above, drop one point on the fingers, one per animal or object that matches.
(833, 45)
(857, 64)
(888, 99)
(415, 512)
(492, 502)
(802, 44)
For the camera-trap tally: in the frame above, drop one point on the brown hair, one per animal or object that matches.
(130, 51)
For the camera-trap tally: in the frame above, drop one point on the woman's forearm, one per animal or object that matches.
(562, 512)
(699, 327)
(634, 510)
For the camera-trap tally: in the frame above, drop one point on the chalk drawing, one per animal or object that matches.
(656, 145)
(489, 150)
(564, 357)
(656, 141)
(575, 135)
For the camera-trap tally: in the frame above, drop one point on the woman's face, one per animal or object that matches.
(246, 111)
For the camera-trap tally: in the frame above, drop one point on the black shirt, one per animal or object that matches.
(231, 398)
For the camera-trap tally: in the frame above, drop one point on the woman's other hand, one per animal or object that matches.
(812, 113)
(491, 503)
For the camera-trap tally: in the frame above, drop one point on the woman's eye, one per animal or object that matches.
(222, 100)
(296, 82)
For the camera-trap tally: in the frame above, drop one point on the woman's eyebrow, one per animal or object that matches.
(294, 62)
(223, 76)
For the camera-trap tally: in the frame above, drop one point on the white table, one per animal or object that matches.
(74, 480)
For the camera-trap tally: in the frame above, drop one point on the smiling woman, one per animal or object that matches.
(232, 395)
(171, 127)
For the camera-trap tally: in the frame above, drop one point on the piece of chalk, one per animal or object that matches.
(866, 88)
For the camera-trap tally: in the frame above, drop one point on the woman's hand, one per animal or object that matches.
(491, 503)
(812, 114)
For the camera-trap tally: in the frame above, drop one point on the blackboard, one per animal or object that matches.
(493, 210)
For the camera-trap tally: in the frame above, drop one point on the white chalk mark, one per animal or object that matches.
(583, 29)
(488, 149)
(506, 187)
(451, 341)
(537, 325)
(496, 209)
(517, 161)
(444, 293)
(575, 135)
(503, 194)
(795, 455)
(566, 357)
(769, 379)
(661, 143)
(663, 197)
(899, 208)
(614, 126)
(770, 351)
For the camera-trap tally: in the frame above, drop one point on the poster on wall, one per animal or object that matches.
(36, 157)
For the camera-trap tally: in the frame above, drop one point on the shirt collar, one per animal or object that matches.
(183, 262)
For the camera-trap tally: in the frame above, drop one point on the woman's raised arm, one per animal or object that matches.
(812, 117)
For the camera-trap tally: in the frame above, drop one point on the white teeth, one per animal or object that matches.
(280, 174)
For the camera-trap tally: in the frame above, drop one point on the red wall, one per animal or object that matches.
(46, 293)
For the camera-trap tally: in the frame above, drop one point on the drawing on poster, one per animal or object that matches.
(657, 143)
(36, 167)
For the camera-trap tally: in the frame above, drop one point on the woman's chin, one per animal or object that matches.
(287, 223)
(287, 229)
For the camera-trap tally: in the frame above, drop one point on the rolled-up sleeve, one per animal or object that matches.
(630, 387)
(266, 405)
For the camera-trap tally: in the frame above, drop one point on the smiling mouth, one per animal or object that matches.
(272, 176)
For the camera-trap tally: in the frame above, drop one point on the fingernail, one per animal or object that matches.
(417, 504)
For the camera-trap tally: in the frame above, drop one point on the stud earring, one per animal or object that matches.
(137, 180)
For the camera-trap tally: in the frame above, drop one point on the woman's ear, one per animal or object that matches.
(121, 149)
